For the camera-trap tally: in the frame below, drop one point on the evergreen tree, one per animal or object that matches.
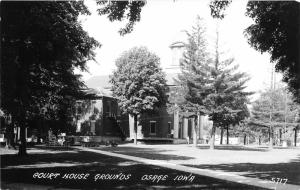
(194, 75)
(214, 88)
(227, 99)
(139, 83)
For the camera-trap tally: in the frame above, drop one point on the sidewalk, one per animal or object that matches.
(227, 176)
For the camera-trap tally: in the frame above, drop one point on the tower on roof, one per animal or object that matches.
(177, 51)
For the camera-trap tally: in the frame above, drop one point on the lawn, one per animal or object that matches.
(36, 169)
(255, 162)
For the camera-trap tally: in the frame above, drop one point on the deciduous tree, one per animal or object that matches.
(277, 31)
(41, 44)
(139, 83)
(274, 109)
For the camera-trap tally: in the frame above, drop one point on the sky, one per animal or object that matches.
(162, 23)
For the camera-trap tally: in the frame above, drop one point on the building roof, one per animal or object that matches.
(99, 86)
(177, 44)
(101, 82)
(97, 92)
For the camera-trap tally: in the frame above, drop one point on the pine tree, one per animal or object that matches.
(194, 75)
(213, 88)
(227, 100)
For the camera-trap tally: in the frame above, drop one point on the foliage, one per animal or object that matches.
(226, 102)
(217, 8)
(42, 43)
(116, 10)
(227, 99)
(276, 31)
(194, 71)
(214, 88)
(139, 83)
(131, 10)
(274, 107)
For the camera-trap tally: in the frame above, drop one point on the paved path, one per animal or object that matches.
(203, 172)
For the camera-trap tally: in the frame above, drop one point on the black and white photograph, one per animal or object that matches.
(150, 94)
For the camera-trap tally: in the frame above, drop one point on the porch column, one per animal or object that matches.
(131, 127)
(93, 126)
(176, 125)
(18, 132)
(185, 127)
(200, 126)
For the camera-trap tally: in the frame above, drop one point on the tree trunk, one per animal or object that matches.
(11, 139)
(22, 147)
(222, 131)
(135, 129)
(227, 135)
(23, 73)
(245, 138)
(280, 136)
(212, 137)
(259, 140)
(295, 140)
(270, 138)
(195, 133)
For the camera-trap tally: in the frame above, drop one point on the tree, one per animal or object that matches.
(217, 8)
(42, 43)
(226, 101)
(131, 10)
(274, 109)
(194, 74)
(248, 130)
(235, 118)
(138, 83)
(116, 10)
(276, 31)
(214, 88)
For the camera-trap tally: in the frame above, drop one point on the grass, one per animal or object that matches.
(255, 162)
(20, 170)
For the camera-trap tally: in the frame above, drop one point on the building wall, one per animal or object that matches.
(163, 125)
(103, 117)
(161, 120)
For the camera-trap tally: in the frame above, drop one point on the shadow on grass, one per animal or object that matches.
(149, 153)
(16, 169)
(235, 148)
(289, 171)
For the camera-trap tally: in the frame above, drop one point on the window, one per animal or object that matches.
(109, 106)
(169, 127)
(152, 127)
